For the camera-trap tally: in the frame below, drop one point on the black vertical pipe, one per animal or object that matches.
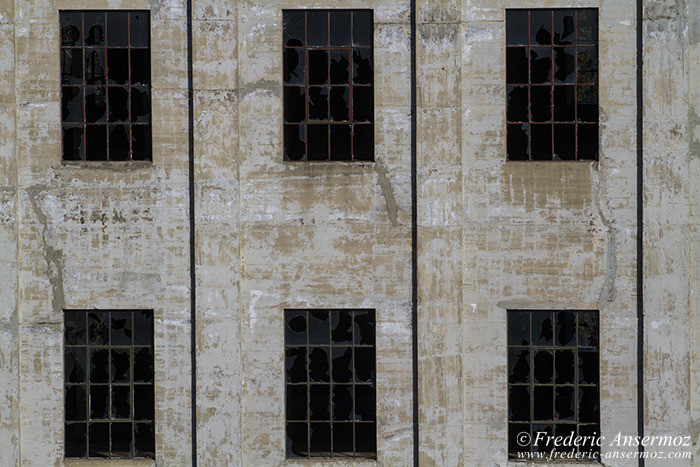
(414, 234)
(640, 226)
(193, 282)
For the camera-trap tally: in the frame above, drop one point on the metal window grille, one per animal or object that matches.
(109, 400)
(328, 85)
(553, 380)
(330, 383)
(105, 85)
(552, 84)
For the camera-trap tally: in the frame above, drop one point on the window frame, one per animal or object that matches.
(516, 427)
(558, 128)
(368, 126)
(353, 421)
(146, 340)
(137, 132)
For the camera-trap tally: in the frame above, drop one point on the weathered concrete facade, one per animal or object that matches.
(492, 234)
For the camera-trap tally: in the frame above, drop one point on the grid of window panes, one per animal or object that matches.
(552, 84)
(105, 85)
(109, 401)
(553, 380)
(328, 85)
(330, 383)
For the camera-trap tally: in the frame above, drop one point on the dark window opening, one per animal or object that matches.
(328, 85)
(106, 85)
(330, 383)
(109, 400)
(553, 381)
(552, 84)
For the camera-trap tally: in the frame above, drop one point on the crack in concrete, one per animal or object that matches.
(388, 192)
(53, 256)
(608, 291)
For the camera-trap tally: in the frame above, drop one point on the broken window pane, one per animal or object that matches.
(72, 104)
(294, 142)
(294, 103)
(516, 65)
(517, 108)
(102, 383)
(318, 103)
(340, 67)
(541, 142)
(72, 66)
(106, 57)
(118, 104)
(362, 28)
(563, 397)
(540, 27)
(294, 30)
(140, 105)
(73, 146)
(540, 65)
(362, 66)
(95, 66)
(518, 137)
(340, 104)
(94, 28)
(564, 64)
(141, 67)
(294, 66)
(564, 27)
(71, 28)
(318, 67)
(297, 440)
(341, 393)
(118, 142)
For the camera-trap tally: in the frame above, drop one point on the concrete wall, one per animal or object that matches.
(270, 234)
(671, 135)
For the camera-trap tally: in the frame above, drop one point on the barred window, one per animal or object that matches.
(106, 85)
(330, 383)
(553, 380)
(109, 401)
(552, 84)
(328, 85)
